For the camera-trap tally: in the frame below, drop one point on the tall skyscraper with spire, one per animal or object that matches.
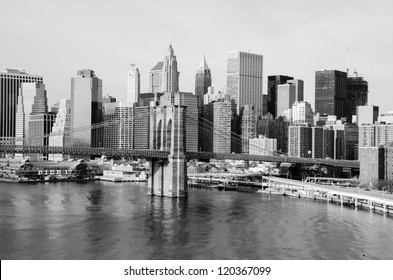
(170, 75)
(203, 80)
(133, 84)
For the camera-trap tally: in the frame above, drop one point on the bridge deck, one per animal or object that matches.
(150, 153)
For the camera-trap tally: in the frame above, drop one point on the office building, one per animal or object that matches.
(108, 99)
(322, 142)
(331, 93)
(216, 129)
(386, 118)
(212, 96)
(86, 109)
(60, 134)
(155, 78)
(141, 127)
(244, 80)
(376, 163)
(133, 84)
(275, 128)
(367, 114)
(357, 93)
(55, 108)
(119, 120)
(170, 75)
(287, 94)
(33, 101)
(375, 135)
(190, 100)
(300, 141)
(263, 146)
(10, 82)
(302, 113)
(299, 89)
(164, 77)
(40, 127)
(346, 137)
(203, 80)
(20, 122)
(273, 82)
(148, 98)
(248, 126)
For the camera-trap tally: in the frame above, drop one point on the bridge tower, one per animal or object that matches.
(168, 177)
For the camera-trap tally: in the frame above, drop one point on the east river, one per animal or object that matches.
(102, 220)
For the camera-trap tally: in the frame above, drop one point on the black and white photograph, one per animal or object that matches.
(207, 131)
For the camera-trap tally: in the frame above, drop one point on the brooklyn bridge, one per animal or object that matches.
(167, 154)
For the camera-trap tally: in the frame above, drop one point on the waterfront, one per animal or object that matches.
(104, 220)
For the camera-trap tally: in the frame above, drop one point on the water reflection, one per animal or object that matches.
(118, 221)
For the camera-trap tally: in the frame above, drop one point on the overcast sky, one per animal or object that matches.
(56, 38)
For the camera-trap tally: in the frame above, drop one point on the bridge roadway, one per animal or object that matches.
(161, 154)
(331, 162)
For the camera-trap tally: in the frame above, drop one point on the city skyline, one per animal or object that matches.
(317, 36)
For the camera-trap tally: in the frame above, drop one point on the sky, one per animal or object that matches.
(296, 38)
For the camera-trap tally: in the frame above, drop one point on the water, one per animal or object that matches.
(103, 220)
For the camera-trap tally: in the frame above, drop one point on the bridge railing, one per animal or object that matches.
(84, 151)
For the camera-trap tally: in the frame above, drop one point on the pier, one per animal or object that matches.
(349, 196)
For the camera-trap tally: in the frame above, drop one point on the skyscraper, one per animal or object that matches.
(366, 114)
(357, 93)
(302, 113)
(133, 84)
(216, 129)
(20, 132)
(40, 127)
(248, 126)
(155, 78)
(170, 75)
(141, 127)
(33, 101)
(86, 109)
(273, 82)
(60, 134)
(331, 93)
(10, 82)
(244, 80)
(300, 141)
(118, 131)
(203, 80)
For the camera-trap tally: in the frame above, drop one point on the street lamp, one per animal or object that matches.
(309, 153)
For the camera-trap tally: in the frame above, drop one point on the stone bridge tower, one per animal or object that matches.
(168, 177)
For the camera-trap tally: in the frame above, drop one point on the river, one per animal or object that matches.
(104, 220)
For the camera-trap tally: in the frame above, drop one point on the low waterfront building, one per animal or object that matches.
(263, 146)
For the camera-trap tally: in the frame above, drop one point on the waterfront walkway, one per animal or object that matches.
(374, 200)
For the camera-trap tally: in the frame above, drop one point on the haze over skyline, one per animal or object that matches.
(56, 38)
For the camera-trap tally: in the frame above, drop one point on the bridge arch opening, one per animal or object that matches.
(159, 130)
(169, 135)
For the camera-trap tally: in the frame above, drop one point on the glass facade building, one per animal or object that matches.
(272, 83)
(331, 93)
(244, 80)
(203, 80)
(86, 109)
(10, 83)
